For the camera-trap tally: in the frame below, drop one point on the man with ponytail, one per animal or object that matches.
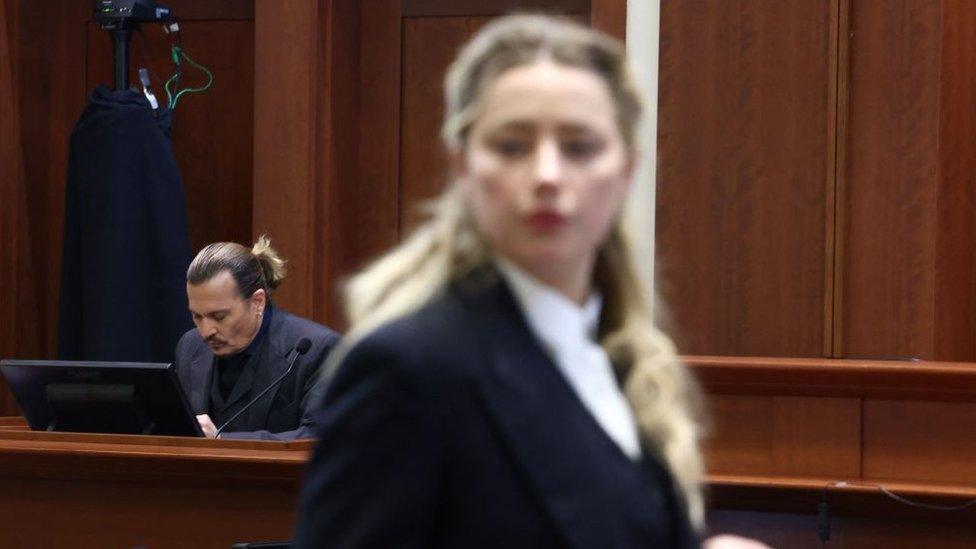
(243, 345)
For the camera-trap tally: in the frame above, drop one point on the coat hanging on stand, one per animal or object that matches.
(126, 247)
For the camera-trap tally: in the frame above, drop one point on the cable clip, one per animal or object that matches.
(144, 78)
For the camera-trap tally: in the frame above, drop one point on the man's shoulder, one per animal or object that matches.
(292, 326)
(189, 342)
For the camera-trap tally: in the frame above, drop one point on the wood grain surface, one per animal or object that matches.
(743, 137)
(87, 490)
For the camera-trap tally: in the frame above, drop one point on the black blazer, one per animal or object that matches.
(286, 412)
(451, 427)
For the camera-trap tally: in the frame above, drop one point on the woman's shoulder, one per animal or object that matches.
(421, 354)
(434, 330)
(442, 339)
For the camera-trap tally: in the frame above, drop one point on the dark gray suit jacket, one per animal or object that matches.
(285, 412)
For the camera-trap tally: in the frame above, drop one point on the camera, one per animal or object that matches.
(120, 18)
(128, 13)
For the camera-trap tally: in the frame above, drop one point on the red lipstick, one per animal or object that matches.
(546, 220)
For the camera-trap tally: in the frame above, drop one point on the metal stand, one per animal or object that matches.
(121, 37)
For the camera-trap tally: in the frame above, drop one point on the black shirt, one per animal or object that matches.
(229, 368)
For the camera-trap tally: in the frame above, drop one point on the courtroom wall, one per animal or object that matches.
(316, 131)
(815, 178)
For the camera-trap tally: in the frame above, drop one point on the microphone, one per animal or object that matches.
(304, 344)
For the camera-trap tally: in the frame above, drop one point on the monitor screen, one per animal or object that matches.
(100, 397)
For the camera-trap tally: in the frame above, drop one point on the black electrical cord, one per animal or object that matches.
(823, 518)
(823, 510)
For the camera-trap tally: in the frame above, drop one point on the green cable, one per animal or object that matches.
(169, 95)
(177, 54)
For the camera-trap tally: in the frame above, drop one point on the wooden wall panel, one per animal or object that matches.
(932, 432)
(380, 80)
(326, 180)
(285, 100)
(783, 435)
(19, 337)
(336, 237)
(858, 149)
(610, 16)
(909, 262)
(11, 183)
(742, 175)
(51, 81)
(890, 214)
(955, 278)
(429, 46)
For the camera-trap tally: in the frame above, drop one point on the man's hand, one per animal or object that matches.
(209, 429)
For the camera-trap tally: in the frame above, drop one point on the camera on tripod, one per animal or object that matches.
(120, 18)
(127, 14)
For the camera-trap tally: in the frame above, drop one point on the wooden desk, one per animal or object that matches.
(786, 430)
(87, 490)
(783, 430)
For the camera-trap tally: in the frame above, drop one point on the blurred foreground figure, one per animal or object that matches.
(504, 384)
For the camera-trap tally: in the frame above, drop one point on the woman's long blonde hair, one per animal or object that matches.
(661, 394)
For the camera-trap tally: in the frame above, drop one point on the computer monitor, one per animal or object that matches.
(101, 397)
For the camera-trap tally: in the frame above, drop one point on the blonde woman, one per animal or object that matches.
(503, 384)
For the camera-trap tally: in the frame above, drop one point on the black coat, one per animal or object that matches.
(126, 250)
(285, 412)
(451, 427)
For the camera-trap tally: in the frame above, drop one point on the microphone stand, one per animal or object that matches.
(303, 346)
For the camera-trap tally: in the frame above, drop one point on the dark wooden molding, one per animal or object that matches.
(469, 8)
(887, 379)
(837, 164)
(106, 458)
(846, 498)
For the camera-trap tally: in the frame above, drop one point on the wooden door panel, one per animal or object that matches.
(743, 175)
(429, 46)
(909, 270)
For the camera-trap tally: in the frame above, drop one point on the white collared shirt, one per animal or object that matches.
(567, 333)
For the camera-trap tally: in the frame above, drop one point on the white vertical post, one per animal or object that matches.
(643, 23)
